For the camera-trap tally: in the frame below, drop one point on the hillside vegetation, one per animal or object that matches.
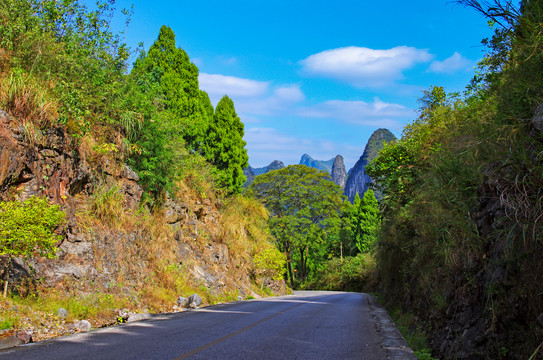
(145, 172)
(462, 237)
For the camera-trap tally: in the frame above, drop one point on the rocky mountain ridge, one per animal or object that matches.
(251, 172)
(325, 165)
(354, 181)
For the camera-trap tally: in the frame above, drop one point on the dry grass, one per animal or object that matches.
(26, 100)
(243, 227)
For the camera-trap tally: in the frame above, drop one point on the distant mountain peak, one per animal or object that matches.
(325, 165)
(358, 181)
(251, 172)
(339, 175)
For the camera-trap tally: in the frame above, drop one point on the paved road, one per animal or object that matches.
(306, 325)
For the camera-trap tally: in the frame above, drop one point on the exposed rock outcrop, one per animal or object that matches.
(358, 181)
(339, 175)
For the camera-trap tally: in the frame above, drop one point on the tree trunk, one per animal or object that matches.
(7, 270)
(289, 265)
(302, 264)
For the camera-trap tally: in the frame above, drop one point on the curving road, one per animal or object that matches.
(306, 325)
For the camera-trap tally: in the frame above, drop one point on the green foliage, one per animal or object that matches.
(457, 159)
(354, 273)
(62, 64)
(269, 262)
(6, 323)
(303, 203)
(225, 147)
(27, 228)
(178, 84)
(365, 221)
(73, 50)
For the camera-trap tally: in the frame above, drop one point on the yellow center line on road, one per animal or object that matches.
(213, 343)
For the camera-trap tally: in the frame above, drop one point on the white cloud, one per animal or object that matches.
(290, 93)
(451, 64)
(217, 85)
(251, 97)
(281, 100)
(377, 113)
(363, 67)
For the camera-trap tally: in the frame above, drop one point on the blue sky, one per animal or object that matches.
(318, 77)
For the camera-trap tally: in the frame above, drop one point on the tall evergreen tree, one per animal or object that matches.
(225, 147)
(179, 84)
(356, 221)
(369, 220)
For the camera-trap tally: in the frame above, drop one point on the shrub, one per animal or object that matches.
(27, 228)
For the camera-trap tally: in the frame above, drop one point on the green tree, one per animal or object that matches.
(179, 87)
(269, 262)
(367, 222)
(302, 202)
(225, 147)
(27, 230)
(173, 112)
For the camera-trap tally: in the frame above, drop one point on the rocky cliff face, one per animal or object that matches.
(325, 165)
(358, 181)
(122, 251)
(339, 175)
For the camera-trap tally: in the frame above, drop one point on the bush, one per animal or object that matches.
(27, 228)
(355, 273)
(270, 262)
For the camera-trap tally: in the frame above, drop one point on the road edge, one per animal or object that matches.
(394, 344)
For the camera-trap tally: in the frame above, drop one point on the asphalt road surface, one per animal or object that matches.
(307, 325)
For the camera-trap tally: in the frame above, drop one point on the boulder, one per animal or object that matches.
(194, 301)
(132, 317)
(182, 302)
(129, 174)
(62, 313)
(11, 338)
(83, 326)
(10, 341)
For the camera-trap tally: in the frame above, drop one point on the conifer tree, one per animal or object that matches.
(355, 221)
(369, 219)
(179, 84)
(225, 147)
